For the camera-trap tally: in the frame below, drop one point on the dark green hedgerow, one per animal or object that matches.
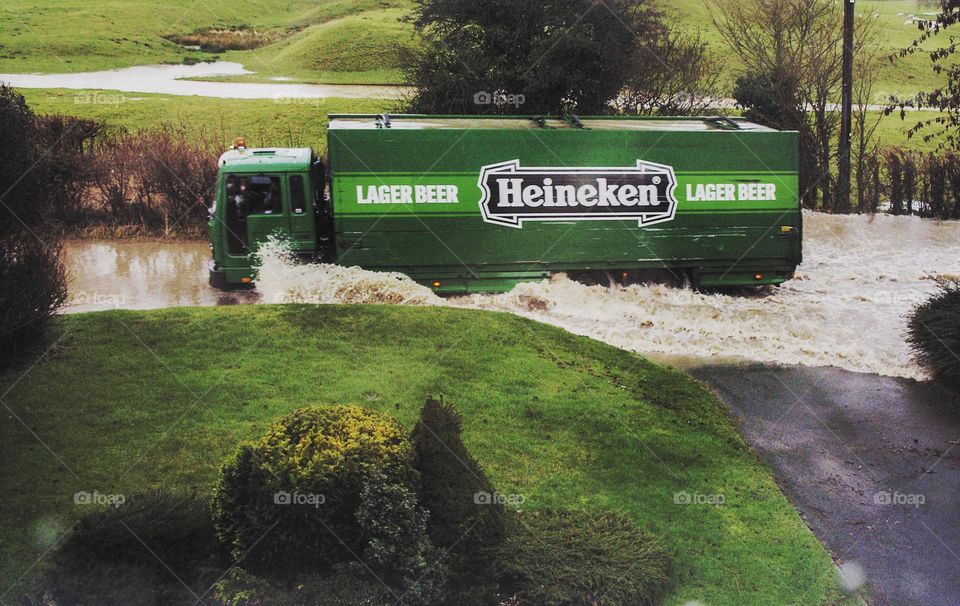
(574, 558)
(934, 334)
(466, 528)
(135, 552)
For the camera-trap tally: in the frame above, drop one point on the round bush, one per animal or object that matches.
(573, 558)
(934, 334)
(287, 503)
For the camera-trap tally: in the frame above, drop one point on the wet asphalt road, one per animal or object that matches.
(855, 453)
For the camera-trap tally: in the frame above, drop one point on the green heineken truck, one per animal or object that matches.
(481, 203)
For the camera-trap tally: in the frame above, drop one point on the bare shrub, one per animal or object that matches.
(671, 74)
(160, 181)
(232, 38)
(180, 176)
(912, 182)
(66, 170)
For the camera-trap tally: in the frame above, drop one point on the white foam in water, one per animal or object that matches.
(847, 307)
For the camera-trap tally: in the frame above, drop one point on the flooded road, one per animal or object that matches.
(141, 275)
(170, 80)
(846, 308)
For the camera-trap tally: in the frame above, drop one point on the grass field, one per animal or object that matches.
(329, 41)
(131, 400)
(263, 122)
(267, 122)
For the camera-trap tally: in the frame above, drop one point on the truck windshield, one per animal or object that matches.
(254, 195)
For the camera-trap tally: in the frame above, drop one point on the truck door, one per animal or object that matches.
(265, 216)
(302, 221)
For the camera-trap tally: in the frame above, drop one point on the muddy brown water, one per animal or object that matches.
(141, 275)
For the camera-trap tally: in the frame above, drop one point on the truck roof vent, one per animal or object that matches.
(723, 122)
(265, 152)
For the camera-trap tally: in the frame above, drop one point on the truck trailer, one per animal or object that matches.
(480, 203)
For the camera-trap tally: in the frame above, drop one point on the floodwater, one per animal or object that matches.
(141, 275)
(847, 306)
(170, 80)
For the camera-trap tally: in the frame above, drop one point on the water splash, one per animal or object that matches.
(280, 279)
(847, 306)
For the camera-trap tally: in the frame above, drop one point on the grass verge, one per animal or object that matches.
(269, 122)
(128, 401)
(264, 122)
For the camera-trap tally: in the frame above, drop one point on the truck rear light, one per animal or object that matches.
(436, 283)
(758, 276)
(246, 280)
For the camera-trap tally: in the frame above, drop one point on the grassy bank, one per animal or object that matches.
(57, 36)
(285, 122)
(264, 122)
(131, 400)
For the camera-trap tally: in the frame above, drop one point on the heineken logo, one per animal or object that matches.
(513, 194)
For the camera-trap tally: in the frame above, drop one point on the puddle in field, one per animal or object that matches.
(846, 308)
(170, 80)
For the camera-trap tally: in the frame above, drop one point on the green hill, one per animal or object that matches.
(127, 401)
(332, 41)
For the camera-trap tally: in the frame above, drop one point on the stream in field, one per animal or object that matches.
(846, 308)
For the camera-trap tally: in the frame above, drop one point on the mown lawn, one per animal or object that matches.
(264, 122)
(132, 400)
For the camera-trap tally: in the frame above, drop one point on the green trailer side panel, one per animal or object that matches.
(724, 241)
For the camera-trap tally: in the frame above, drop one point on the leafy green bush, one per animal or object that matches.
(130, 554)
(399, 565)
(571, 558)
(934, 333)
(398, 548)
(344, 585)
(287, 503)
(450, 481)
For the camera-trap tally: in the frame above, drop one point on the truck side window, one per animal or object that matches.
(298, 202)
(263, 196)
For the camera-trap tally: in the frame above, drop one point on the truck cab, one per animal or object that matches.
(262, 193)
